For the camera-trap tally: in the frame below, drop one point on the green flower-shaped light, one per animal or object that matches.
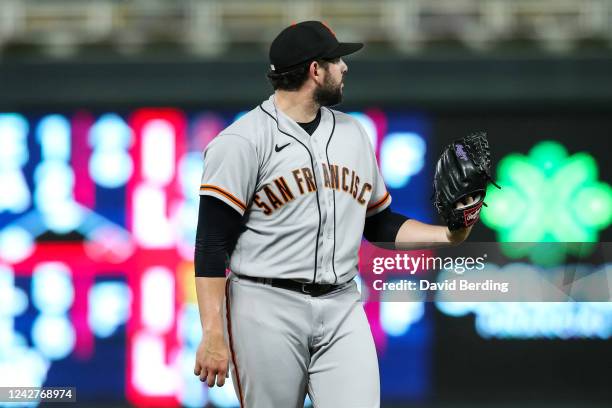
(548, 196)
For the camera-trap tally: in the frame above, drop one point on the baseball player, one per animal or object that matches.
(287, 192)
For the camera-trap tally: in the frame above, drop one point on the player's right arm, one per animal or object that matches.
(228, 182)
(217, 231)
(218, 225)
(212, 356)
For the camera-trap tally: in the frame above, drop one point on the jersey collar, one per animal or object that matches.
(288, 125)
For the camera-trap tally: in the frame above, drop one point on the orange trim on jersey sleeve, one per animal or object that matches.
(379, 202)
(229, 196)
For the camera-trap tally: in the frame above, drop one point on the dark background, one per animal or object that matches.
(519, 96)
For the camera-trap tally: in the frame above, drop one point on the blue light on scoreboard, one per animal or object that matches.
(97, 224)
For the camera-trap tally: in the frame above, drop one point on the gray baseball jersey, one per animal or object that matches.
(305, 197)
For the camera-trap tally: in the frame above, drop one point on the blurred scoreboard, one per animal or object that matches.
(98, 214)
(97, 224)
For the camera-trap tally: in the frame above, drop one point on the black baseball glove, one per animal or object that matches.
(463, 171)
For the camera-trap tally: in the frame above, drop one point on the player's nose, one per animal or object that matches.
(343, 66)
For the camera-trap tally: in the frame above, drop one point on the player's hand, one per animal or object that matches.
(466, 201)
(212, 360)
(460, 235)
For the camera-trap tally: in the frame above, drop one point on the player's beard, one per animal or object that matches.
(329, 94)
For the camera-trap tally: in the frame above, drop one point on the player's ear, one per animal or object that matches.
(314, 70)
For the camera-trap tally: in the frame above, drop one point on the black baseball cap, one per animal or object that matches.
(306, 41)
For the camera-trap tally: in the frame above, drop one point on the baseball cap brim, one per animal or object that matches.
(344, 49)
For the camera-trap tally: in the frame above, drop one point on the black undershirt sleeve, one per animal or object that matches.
(219, 226)
(383, 227)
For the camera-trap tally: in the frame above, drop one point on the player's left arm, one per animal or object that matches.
(386, 228)
(392, 230)
(414, 234)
